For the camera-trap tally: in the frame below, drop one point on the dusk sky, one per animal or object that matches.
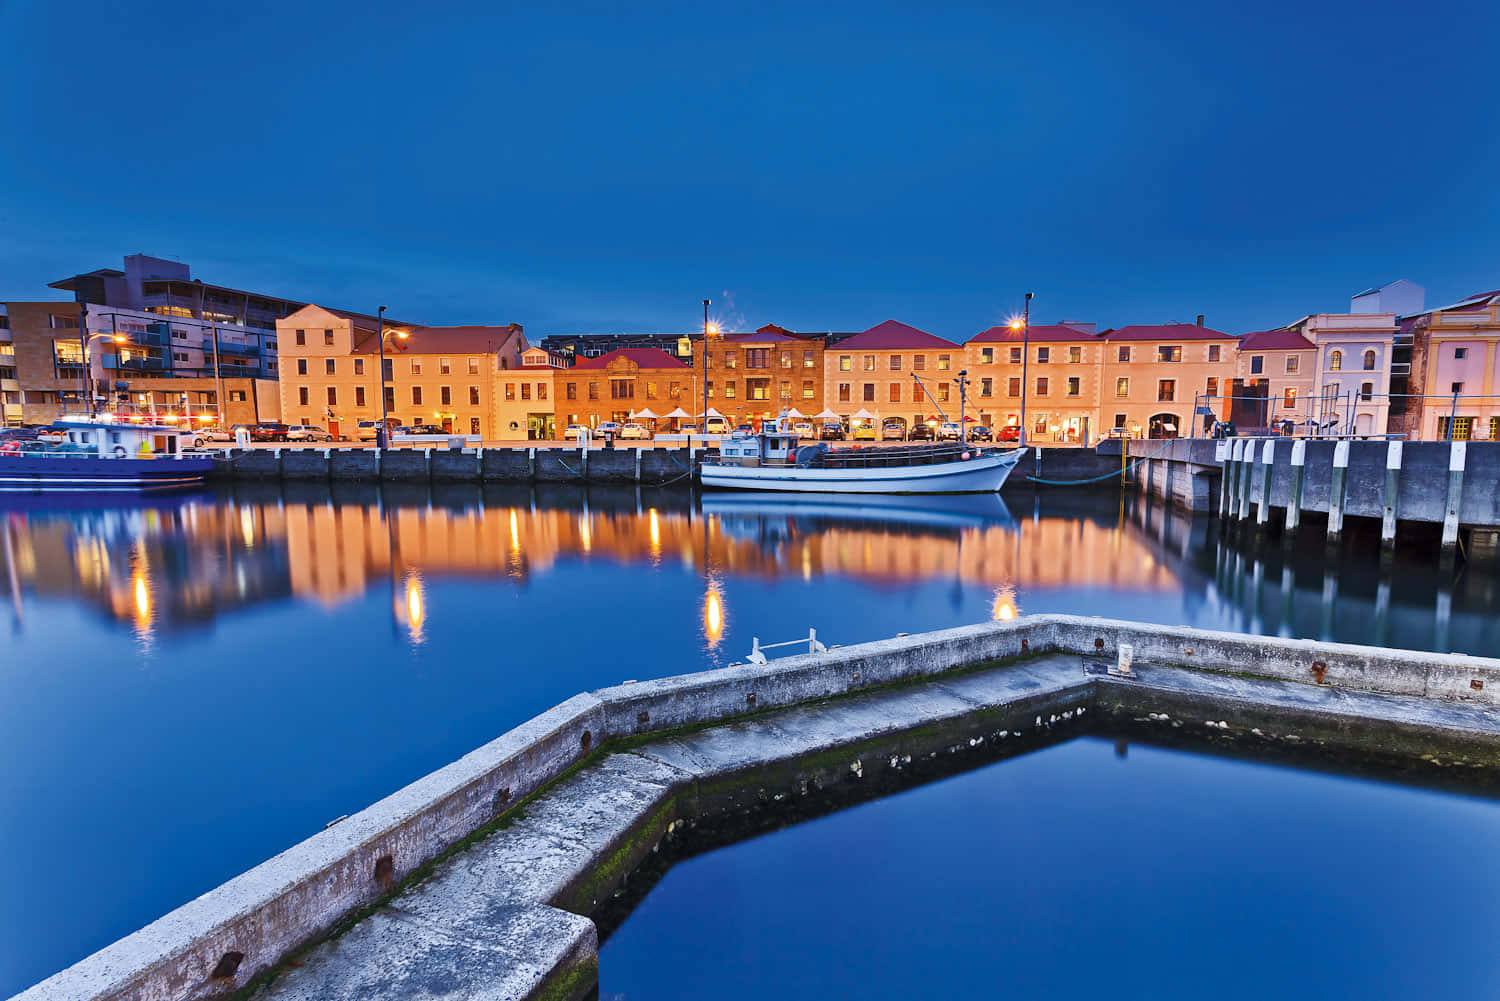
(819, 166)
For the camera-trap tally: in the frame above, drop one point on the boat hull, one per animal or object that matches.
(90, 474)
(983, 474)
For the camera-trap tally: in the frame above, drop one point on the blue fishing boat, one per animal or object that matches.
(99, 455)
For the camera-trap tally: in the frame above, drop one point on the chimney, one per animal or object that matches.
(1200, 319)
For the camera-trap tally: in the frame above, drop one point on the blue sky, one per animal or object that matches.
(821, 166)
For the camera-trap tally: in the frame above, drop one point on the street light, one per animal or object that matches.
(704, 428)
(380, 336)
(88, 375)
(1024, 325)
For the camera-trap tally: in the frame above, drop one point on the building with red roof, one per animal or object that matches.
(1164, 380)
(1275, 376)
(1455, 351)
(754, 376)
(895, 372)
(621, 385)
(1060, 377)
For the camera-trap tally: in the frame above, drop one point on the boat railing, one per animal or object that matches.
(875, 458)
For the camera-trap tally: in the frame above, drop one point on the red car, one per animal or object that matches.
(1011, 432)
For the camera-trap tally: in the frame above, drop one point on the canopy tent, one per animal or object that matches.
(862, 415)
(712, 413)
(678, 414)
(827, 415)
(643, 413)
(795, 413)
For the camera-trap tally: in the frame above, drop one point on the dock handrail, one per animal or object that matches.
(757, 657)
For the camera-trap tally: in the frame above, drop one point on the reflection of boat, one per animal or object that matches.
(932, 511)
(774, 460)
(102, 456)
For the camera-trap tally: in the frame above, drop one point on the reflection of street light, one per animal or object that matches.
(713, 615)
(416, 607)
(1004, 608)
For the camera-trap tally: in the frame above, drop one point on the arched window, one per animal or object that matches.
(1335, 360)
(1369, 361)
(1366, 390)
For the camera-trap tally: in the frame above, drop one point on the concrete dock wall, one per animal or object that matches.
(217, 943)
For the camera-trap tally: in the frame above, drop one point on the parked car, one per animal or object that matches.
(634, 432)
(922, 432)
(271, 431)
(368, 430)
(1120, 432)
(1011, 432)
(426, 429)
(744, 428)
(574, 431)
(804, 429)
(18, 434)
(948, 431)
(893, 430)
(687, 427)
(307, 432)
(716, 425)
(217, 434)
(864, 432)
(832, 431)
(981, 432)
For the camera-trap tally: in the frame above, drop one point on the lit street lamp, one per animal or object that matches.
(380, 335)
(88, 375)
(1024, 325)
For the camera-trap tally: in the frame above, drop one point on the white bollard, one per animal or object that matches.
(1122, 665)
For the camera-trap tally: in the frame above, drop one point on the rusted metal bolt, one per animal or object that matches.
(385, 868)
(1477, 685)
(750, 699)
(587, 740)
(1319, 670)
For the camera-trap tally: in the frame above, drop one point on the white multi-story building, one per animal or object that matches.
(1356, 355)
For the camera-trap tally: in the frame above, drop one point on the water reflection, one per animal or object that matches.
(171, 565)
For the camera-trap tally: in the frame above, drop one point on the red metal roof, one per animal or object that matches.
(1275, 340)
(1039, 332)
(439, 340)
(643, 358)
(765, 335)
(893, 334)
(1166, 332)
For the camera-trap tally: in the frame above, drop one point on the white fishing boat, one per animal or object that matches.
(776, 460)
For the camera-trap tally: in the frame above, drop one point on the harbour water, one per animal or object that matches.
(190, 685)
(1087, 870)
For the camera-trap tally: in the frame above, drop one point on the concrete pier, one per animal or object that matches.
(487, 872)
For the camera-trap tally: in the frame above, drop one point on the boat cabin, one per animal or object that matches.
(776, 445)
(118, 439)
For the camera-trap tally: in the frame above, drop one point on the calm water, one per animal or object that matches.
(1074, 873)
(189, 686)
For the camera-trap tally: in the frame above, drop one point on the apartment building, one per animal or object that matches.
(525, 409)
(1274, 380)
(1455, 370)
(612, 386)
(1352, 367)
(1061, 378)
(893, 370)
(448, 376)
(1154, 375)
(758, 375)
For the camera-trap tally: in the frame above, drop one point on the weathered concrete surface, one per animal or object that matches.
(353, 464)
(1063, 464)
(448, 465)
(404, 464)
(303, 894)
(304, 464)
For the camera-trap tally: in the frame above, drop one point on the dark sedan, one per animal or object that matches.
(269, 432)
(981, 432)
(922, 432)
(426, 429)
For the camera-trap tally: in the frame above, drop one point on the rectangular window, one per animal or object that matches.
(807, 360)
(895, 363)
(179, 356)
(943, 363)
(807, 389)
(328, 338)
(730, 389)
(650, 391)
(730, 359)
(1455, 429)
(1257, 364)
(1041, 385)
(1073, 385)
(757, 389)
(445, 396)
(359, 396)
(473, 366)
(919, 363)
(942, 392)
(986, 387)
(333, 396)
(869, 392)
(301, 338)
(869, 363)
(302, 395)
(844, 392)
(416, 366)
(571, 392)
(525, 392)
(1460, 354)
(1166, 390)
(786, 359)
(757, 357)
(416, 396)
(1122, 386)
(622, 389)
(1213, 352)
(846, 363)
(895, 389)
(674, 390)
(1124, 355)
(444, 368)
(1013, 387)
(541, 390)
(1015, 356)
(301, 366)
(1043, 355)
(329, 367)
(1075, 355)
(359, 366)
(510, 391)
(1455, 388)
(1169, 352)
(986, 356)
(1212, 388)
(390, 397)
(593, 390)
(1291, 364)
(388, 371)
(473, 425)
(1289, 398)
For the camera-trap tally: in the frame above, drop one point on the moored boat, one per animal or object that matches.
(101, 456)
(776, 460)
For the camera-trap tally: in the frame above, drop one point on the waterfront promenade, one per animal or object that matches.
(569, 804)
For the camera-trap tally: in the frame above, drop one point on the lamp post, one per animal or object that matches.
(704, 428)
(380, 335)
(88, 375)
(1025, 325)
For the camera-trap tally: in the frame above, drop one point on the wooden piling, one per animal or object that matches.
(1392, 497)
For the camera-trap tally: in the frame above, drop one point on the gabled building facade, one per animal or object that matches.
(755, 376)
(893, 370)
(1274, 380)
(1165, 380)
(1062, 379)
(619, 383)
(1456, 371)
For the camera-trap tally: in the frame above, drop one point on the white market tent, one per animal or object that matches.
(827, 415)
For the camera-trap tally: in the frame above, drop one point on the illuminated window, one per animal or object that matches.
(895, 363)
(807, 389)
(1289, 398)
(846, 363)
(1073, 385)
(986, 356)
(986, 387)
(473, 366)
(1166, 390)
(807, 360)
(1122, 386)
(330, 367)
(444, 367)
(869, 363)
(844, 392)
(1075, 355)
(416, 366)
(1169, 352)
(1335, 360)
(510, 391)
(729, 359)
